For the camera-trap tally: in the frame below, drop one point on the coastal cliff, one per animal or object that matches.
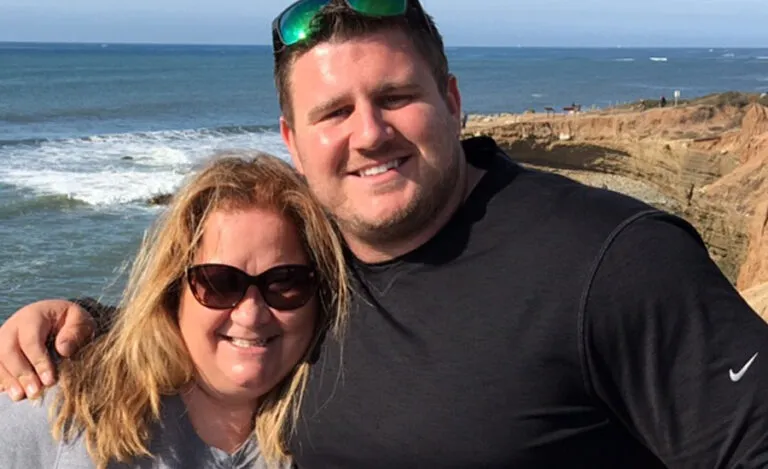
(706, 160)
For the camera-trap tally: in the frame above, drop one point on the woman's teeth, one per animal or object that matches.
(247, 343)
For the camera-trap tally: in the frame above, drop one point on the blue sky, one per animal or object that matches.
(468, 22)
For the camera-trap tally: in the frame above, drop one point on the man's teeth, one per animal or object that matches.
(245, 343)
(381, 168)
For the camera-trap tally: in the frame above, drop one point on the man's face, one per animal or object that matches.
(375, 138)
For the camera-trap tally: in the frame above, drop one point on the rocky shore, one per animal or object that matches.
(705, 160)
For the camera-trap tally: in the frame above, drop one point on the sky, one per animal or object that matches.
(572, 23)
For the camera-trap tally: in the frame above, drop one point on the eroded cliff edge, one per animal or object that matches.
(709, 159)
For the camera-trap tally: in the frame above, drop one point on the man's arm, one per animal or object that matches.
(36, 333)
(674, 351)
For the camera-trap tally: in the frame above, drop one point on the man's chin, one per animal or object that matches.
(382, 224)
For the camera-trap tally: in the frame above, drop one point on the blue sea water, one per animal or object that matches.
(89, 131)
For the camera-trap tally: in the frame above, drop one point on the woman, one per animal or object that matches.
(226, 303)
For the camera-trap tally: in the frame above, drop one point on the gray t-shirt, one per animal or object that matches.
(26, 442)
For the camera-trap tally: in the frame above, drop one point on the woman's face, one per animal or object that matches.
(244, 351)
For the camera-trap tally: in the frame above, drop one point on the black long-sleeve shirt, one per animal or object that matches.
(549, 324)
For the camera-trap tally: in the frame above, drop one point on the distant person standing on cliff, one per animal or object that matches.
(504, 317)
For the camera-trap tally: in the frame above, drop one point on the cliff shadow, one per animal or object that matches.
(565, 155)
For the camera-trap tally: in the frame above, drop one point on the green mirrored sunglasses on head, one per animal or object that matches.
(293, 25)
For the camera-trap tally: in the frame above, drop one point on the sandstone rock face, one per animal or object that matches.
(755, 268)
(754, 133)
(712, 161)
(757, 297)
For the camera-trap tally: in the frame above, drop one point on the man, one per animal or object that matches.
(505, 317)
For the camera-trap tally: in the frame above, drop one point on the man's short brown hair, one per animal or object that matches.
(337, 22)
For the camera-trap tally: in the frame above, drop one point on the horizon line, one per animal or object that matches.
(447, 46)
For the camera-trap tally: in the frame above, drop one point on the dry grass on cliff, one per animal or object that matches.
(718, 100)
(731, 98)
(706, 118)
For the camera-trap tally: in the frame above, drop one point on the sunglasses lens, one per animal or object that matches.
(288, 287)
(295, 23)
(379, 7)
(217, 286)
(283, 288)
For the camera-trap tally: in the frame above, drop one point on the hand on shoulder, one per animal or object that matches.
(26, 365)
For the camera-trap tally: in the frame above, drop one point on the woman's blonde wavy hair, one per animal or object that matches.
(111, 392)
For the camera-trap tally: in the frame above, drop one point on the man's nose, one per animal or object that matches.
(371, 128)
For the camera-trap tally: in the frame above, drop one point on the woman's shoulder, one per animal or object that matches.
(26, 438)
(25, 433)
(27, 417)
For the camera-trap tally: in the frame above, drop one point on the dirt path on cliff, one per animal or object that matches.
(622, 184)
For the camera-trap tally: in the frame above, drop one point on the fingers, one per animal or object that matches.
(77, 329)
(9, 384)
(32, 345)
(24, 359)
(17, 374)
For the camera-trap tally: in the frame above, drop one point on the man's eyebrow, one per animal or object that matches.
(398, 87)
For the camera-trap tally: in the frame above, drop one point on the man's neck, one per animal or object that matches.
(223, 426)
(383, 252)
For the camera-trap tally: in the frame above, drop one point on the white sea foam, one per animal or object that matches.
(98, 188)
(625, 59)
(658, 59)
(119, 169)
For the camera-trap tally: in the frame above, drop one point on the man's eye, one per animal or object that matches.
(396, 101)
(341, 112)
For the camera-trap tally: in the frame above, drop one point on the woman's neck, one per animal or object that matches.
(225, 426)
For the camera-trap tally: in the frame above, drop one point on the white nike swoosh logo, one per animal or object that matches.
(736, 377)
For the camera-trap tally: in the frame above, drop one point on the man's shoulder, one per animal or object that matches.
(551, 217)
(575, 202)
(526, 195)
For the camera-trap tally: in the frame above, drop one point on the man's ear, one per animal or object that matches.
(453, 98)
(290, 142)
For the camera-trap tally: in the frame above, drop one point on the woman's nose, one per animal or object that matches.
(252, 309)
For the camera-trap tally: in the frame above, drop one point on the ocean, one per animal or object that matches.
(89, 131)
